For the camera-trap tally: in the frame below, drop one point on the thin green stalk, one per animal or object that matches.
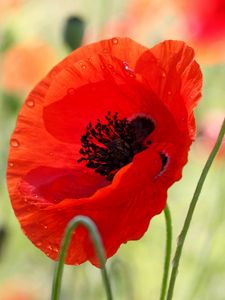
(93, 231)
(191, 209)
(168, 250)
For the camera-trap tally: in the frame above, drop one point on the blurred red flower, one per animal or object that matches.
(25, 64)
(209, 130)
(204, 23)
(206, 19)
(104, 134)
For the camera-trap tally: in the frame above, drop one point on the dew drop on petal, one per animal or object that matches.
(39, 244)
(49, 247)
(115, 41)
(14, 143)
(83, 67)
(163, 75)
(55, 249)
(169, 93)
(110, 66)
(30, 103)
(11, 164)
(129, 71)
(44, 226)
(71, 91)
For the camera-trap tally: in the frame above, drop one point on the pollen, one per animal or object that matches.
(108, 146)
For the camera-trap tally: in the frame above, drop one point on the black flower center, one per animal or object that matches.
(107, 147)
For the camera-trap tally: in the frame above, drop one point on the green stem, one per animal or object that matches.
(191, 209)
(169, 234)
(93, 231)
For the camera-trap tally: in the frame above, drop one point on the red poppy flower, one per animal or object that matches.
(209, 129)
(206, 20)
(104, 135)
(204, 27)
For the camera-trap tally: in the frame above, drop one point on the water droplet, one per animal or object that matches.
(11, 164)
(30, 103)
(38, 244)
(129, 70)
(56, 250)
(49, 247)
(14, 143)
(164, 75)
(102, 67)
(71, 91)
(169, 93)
(110, 67)
(44, 226)
(83, 67)
(115, 41)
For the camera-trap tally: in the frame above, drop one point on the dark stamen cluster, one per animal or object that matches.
(107, 147)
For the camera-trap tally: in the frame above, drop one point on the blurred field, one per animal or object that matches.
(136, 270)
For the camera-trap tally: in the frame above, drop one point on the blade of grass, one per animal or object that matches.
(191, 209)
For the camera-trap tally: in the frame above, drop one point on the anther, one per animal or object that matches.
(108, 146)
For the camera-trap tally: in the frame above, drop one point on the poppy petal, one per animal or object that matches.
(122, 201)
(176, 78)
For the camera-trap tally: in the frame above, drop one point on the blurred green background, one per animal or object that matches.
(33, 37)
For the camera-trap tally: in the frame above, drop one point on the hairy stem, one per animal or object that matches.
(168, 250)
(93, 231)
